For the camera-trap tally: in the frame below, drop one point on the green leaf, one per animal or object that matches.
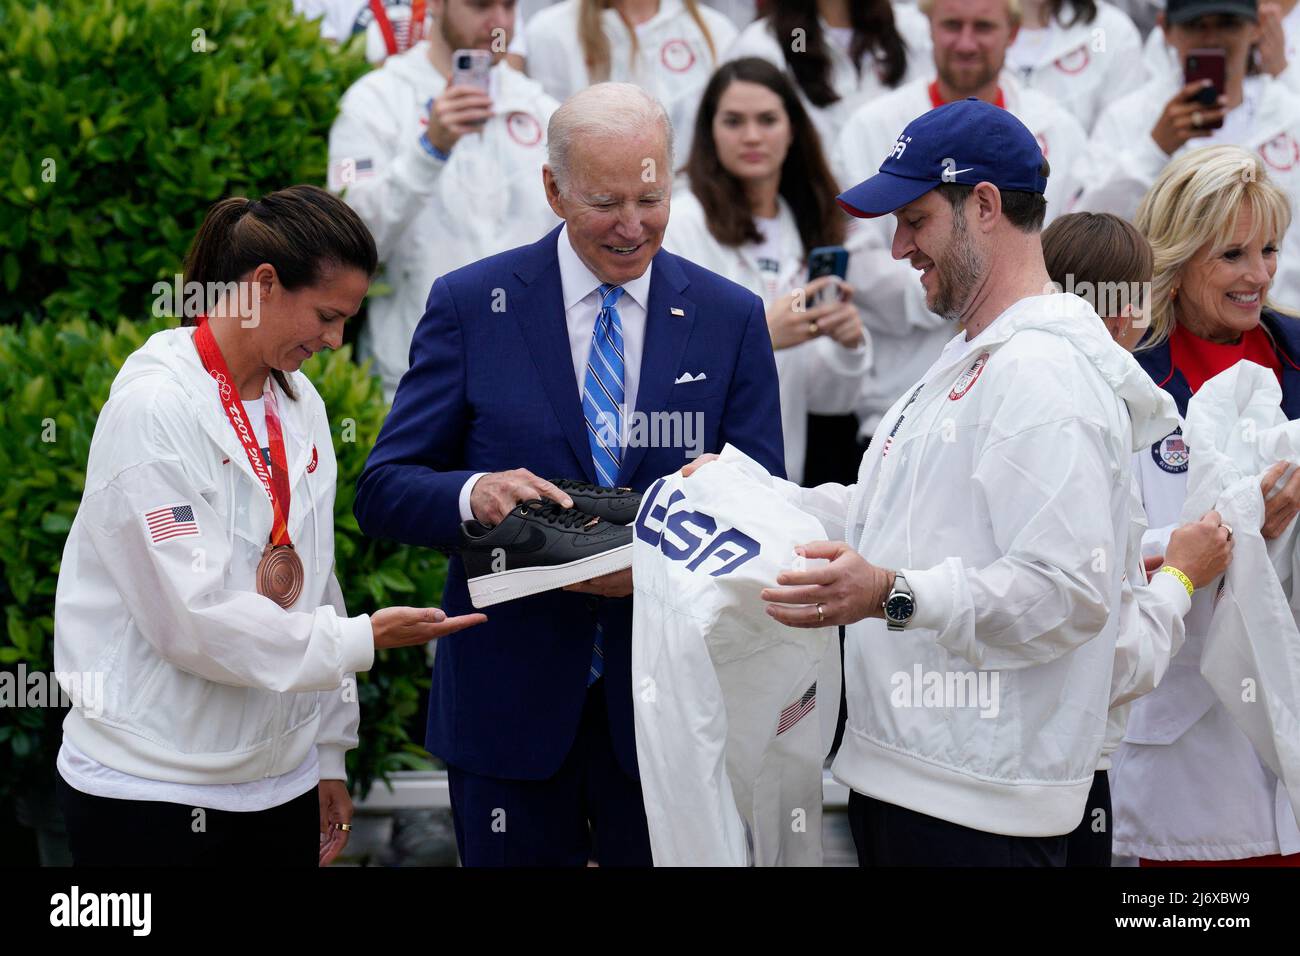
(20, 172)
(56, 524)
(395, 580)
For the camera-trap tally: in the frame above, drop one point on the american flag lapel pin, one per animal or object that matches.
(676, 311)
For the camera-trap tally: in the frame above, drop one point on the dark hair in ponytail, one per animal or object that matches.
(874, 32)
(300, 231)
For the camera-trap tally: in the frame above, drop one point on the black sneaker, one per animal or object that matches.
(538, 547)
(615, 505)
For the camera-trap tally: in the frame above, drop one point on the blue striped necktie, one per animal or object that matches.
(602, 406)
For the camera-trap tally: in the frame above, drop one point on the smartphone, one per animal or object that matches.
(471, 68)
(827, 261)
(1207, 65)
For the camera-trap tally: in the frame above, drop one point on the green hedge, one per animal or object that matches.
(121, 125)
(54, 379)
(117, 133)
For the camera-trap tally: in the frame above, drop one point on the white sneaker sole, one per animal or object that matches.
(489, 589)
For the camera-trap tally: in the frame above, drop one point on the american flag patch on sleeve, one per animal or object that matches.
(798, 710)
(172, 521)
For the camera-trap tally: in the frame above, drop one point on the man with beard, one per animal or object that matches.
(970, 39)
(978, 565)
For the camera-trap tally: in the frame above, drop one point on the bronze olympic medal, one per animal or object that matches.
(279, 575)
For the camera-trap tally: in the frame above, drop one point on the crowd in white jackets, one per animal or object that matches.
(431, 215)
(855, 87)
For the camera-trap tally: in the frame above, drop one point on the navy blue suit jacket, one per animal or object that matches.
(492, 387)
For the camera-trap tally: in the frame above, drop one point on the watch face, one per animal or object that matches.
(900, 608)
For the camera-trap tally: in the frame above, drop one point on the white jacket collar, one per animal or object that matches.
(171, 354)
(1151, 410)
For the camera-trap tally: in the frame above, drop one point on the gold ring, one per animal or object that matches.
(1196, 119)
(1229, 527)
(820, 615)
(812, 327)
(343, 826)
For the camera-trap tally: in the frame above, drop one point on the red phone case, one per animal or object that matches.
(1207, 65)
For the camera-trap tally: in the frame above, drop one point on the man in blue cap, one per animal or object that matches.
(983, 544)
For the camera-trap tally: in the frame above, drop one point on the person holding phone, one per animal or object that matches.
(198, 576)
(1276, 50)
(1210, 97)
(758, 200)
(439, 151)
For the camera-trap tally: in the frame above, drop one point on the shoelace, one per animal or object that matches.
(569, 484)
(552, 513)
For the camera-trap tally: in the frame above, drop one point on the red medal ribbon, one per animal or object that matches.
(385, 26)
(276, 483)
(416, 33)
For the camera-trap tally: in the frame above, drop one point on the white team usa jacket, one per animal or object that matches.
(1210, 765)
(1151, 628)
(1123, 161)
(206, 681)
(1000, 489)
(430, 217)
(855, 87)
(673, 61)
(1082, 65)
(734, 712)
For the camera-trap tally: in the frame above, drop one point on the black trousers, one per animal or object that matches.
(889, 835)
(1090, 843)
(103, 831)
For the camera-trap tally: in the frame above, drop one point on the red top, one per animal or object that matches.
(936, 100)
(1200, 360)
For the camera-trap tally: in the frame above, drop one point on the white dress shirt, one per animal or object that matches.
(581, 291)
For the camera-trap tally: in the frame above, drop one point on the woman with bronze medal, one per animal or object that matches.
(198, 577)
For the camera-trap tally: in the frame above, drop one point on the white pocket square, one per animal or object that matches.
(687, 377)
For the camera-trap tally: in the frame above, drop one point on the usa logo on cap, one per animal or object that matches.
(970, 139)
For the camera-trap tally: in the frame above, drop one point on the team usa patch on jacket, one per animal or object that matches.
(1170, 452)
(967, 378)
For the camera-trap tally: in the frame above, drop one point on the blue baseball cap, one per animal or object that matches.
(966, 141)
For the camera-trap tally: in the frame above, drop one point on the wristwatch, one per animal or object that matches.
(899, 604)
